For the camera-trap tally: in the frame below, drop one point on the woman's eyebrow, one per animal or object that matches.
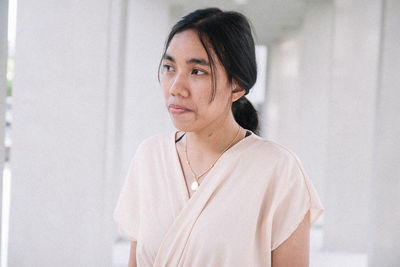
(168, 57)
(199, 61)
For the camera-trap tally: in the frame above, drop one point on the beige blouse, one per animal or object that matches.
(251, 201)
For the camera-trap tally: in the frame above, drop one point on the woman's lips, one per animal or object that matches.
(177, 109)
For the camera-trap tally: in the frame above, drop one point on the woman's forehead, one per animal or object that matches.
(186, 44)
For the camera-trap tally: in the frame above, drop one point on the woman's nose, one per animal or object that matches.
(179, 86)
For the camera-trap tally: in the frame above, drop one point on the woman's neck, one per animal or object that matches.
(214, 138)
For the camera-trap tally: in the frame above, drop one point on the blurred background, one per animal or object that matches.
(79, 92)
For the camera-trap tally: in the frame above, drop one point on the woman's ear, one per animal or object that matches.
(237, 91)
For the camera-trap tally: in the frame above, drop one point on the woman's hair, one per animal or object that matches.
(229, 36)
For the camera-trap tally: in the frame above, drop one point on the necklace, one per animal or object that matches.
(195, 184)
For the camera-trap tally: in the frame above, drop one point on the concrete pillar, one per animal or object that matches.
(57, 213)
(86, 93)
(321, 95)
(351, 124)
(299, 83)
(384, 232)
(3, 91)
(315, 83)
(283, 94)
(144, 110)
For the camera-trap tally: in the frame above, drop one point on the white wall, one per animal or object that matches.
(315, 81)
(384, 232)
(3, 91)
(356, 44)
(298, 90)
(322, 92)
(299, 83)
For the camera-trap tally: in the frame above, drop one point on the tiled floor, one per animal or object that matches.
(330, 259)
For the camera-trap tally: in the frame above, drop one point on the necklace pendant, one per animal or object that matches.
(195, 186)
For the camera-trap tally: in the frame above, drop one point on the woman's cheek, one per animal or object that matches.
(165, 87)
(202, 90)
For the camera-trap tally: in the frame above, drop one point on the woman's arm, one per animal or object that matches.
(295, 250)
(132, 255)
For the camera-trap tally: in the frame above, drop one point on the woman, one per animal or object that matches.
(214, 193)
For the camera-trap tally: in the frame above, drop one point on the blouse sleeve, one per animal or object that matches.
(126, 213)
(296, 196)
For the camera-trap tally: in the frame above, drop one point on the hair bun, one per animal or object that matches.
(245, 114)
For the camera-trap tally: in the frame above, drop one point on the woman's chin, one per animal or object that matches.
(182, 126)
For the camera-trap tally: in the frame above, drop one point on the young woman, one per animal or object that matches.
(214, 193)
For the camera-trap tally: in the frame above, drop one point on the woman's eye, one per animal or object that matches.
(166, 68)
(198, 72)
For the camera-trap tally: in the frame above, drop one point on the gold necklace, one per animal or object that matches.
(195, 184)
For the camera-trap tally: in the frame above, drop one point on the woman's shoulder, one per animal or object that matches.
(269, 149)
(155, 141)
(156, 138)
(284, 162)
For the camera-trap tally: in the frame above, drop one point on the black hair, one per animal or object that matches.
(229, 35)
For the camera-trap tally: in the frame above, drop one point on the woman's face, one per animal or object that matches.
(187, 84)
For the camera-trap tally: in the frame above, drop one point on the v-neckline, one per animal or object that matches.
(179, 169)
